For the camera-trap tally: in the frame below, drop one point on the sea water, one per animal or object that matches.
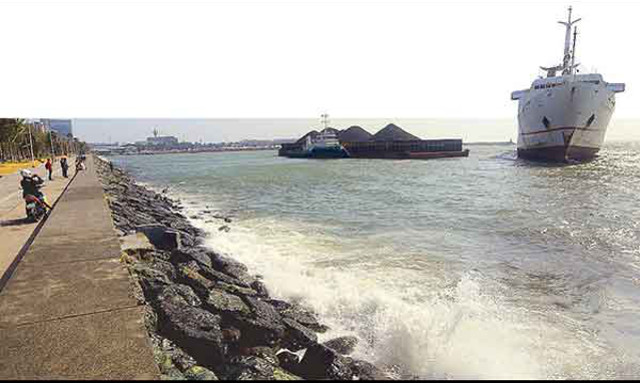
(478, 267)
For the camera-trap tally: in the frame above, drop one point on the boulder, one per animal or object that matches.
(193, 278)
(249, 368)
(299, 314)
(160, 236)
(187, 240)
(152, 281)
(136, 244)
(231, 335)
(230, 267)
(195, 330)
(282, 374)
(289, 361)
(168, 370)
(179, 291)
(167, 268)
(190, 254)
(297, 336)
(203, 279)
(366, 371)
(266, 353)
(199, 373)
(260, 289)
(220, 301)
(180, 359)
(343, 345)
(263, 328)
(321, 362)
(235, 289)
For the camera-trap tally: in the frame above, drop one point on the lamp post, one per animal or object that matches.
(53, 152)
(31, 145)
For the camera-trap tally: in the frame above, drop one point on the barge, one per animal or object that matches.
(391, 142)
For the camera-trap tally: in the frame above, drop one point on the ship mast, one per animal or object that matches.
(325, 120)
(573, 50)
(567, 58)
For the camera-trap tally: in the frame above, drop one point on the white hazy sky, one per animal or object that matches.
(286, 59)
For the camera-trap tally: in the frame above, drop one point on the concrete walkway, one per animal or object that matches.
(68, 311)
(15, 230)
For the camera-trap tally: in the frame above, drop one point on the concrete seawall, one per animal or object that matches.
(68, 311)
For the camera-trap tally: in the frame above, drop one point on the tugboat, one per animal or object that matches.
(323, 145)
(565, 117)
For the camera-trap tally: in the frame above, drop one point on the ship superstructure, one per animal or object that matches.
(565, 115)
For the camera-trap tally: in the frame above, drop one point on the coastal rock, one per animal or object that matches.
(136, 244)
(289, 361)
(298, 336)
(266, 353)
(187, 240)
(264, 328)
(260, 289)
(343, 345)
(214, 318)
(190, 276)
(195, 330)
(152, 281)
(183, 292)
(199, 373)
(168, 371)
(161, 237)
(299, 314)
(235, 289)
(190, 254)
(179, 358)
(321, 362)
(249, 368)
(231, 335)
(167, 268)
(230, 267)
(366, 371)
(226, 304)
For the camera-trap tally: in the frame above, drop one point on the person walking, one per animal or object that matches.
(65, 166)
(49, 167)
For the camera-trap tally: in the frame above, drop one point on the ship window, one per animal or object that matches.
(546, 123)
(590, 120)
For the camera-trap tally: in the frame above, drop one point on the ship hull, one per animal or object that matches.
(558, 153)
(566, 122)
(330, 152)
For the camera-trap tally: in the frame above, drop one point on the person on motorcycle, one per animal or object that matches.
(30, 186)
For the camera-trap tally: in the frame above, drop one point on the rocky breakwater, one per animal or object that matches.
(207, 317)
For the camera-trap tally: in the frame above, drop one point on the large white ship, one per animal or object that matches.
(565, 117)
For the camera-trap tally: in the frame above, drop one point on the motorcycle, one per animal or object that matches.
(35, 201)
(34, 208)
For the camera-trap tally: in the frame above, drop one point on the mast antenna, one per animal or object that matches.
(573, 51)
(325, 120)
(566, 69)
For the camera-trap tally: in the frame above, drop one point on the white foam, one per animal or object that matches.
(462, 331)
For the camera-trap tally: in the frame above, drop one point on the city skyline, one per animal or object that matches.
(234, 130)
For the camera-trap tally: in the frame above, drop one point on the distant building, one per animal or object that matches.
(62, 127)
(162, 141)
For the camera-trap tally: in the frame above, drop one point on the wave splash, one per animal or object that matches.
(464, 330)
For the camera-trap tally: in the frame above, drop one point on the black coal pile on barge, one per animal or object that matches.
(390, 142)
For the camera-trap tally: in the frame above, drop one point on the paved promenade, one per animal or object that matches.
(68, 311)
(15, 230)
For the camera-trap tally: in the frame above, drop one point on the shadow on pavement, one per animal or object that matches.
(16, 222)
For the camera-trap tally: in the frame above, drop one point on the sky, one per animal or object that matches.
(355, 60)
